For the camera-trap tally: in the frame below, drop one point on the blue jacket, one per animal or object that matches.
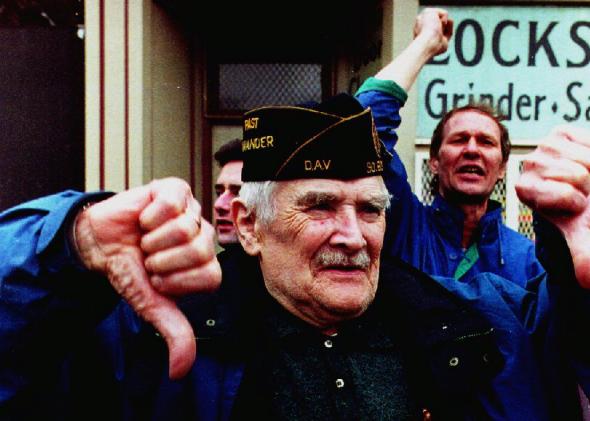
(429, 237)
(64, 335)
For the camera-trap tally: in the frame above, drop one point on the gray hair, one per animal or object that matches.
(258, 196)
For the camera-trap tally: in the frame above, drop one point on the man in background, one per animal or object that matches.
(462, 233)
(227, 187)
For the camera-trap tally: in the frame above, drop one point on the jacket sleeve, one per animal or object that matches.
(386, 98)
(404, 218)
(46, 296)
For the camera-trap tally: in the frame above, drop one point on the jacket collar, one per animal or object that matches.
(450, 219)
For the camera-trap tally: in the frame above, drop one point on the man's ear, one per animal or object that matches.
(245, 223)
(433, 164)
(502, 173)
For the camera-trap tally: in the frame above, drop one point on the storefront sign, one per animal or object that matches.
(531, 62)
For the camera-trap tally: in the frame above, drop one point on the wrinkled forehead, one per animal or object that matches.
(231, 173)
(471, 121)
(308, 190)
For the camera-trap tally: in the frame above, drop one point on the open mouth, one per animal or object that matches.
(344, 274)
(343, 271)
(224, 226)
(343, 268)
(471, 169)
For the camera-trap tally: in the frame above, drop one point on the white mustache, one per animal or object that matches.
(328, 257)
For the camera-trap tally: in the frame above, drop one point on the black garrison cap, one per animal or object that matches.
(334, 139)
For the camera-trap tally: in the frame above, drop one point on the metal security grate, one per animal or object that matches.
(525, 216)
(499, 194)
(425, 182)
(243, 86)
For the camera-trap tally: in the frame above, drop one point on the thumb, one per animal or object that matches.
(127, 275)
(576, 230)
(582, 266)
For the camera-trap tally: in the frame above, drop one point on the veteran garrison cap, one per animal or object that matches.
(333, 139)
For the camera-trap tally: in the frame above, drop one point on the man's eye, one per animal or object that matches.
(371, 209)
(320, 207)
(235, 191)
(218, 192)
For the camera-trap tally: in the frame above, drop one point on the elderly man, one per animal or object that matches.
(315, 325)
(462, 233)
(227, 188)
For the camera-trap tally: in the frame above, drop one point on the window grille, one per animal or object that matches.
(237, 87)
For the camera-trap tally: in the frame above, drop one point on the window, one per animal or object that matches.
(235, 86)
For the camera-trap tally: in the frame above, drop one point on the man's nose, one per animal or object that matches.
(348, 231)
(223, 201)
(471, 147)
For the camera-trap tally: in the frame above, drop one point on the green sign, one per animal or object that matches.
(532, 62)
